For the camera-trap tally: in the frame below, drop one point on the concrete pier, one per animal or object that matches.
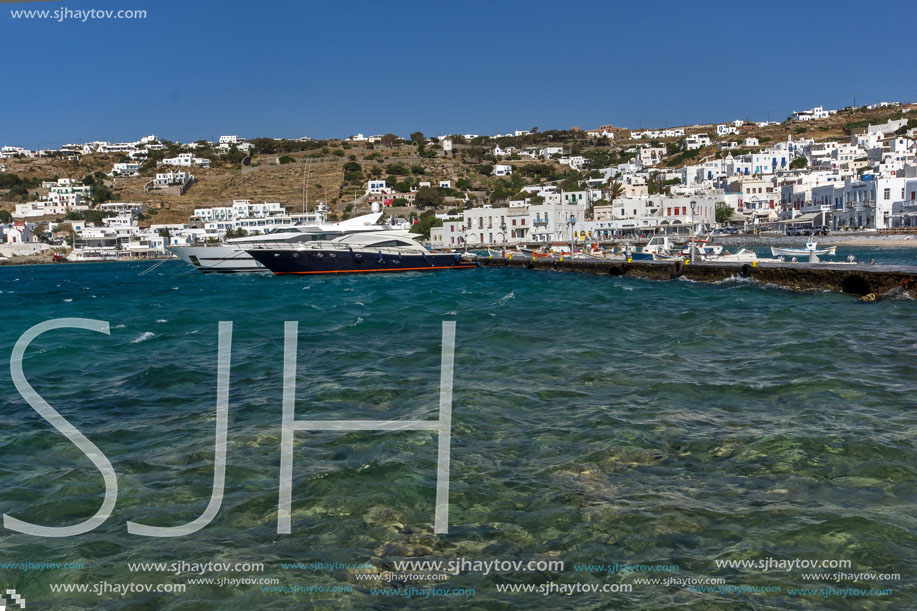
(859, 279)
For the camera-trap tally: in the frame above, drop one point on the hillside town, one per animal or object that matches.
(467, 191)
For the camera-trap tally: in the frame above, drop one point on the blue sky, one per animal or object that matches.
(194, 70)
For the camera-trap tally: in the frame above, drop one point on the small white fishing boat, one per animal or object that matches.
(811, 251)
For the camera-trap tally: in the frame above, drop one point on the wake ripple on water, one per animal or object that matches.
(143, 337)
(505, 298)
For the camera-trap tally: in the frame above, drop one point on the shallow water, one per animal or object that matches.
(595, 420)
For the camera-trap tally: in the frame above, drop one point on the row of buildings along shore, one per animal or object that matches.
(865, 183)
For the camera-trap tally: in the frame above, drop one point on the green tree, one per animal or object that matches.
(615, 190)
(352, 172)
(234, 156)
(5, 216)
(397, 169)
(101, 193)
(285, 159)
(426, 221)
(427, 197)
(799, 163)
(8, 181)
(90, 216)
(390, 140)
(724, 212)
(417, 138)
(235, 233)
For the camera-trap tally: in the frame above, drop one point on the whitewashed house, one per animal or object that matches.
(697, 141)
(187, 160)
(816, 112)
(20, 233)
(378, 187)
(126, 169)
(650, 156)
(172, 179)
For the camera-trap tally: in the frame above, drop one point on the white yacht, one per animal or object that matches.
(230, 256)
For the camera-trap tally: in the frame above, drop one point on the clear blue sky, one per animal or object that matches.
(196, 70)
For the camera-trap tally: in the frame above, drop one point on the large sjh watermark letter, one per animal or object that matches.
(290, 425)
(67, 430)
(219, 452)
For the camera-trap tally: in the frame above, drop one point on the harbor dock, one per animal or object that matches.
(860, 279)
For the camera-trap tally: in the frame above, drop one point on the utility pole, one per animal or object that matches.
(305, 185)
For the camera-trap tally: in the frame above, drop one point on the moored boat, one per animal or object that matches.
(355, 253)
(231, 256)
(811, 251)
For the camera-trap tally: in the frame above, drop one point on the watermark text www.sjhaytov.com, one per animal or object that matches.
(62, 14)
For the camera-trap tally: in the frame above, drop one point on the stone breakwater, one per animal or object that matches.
(859, 279)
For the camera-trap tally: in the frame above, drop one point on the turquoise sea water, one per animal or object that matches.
(595, 420)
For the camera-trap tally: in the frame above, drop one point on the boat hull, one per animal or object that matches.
(794, 252)
(217, 259)
(343, 262)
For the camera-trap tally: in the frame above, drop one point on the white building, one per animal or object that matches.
(501, 169)
(653, 213)
(20, 233)
(129, 208)
(172, 179)
(657, 134)
(64, 195)
(450, 235)
(11, 152)
(187, 160)
(520, 223)
(697, 141)
(126, 169)
(253, 218)
(378, 187)
(650, 156)
(813, 113)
